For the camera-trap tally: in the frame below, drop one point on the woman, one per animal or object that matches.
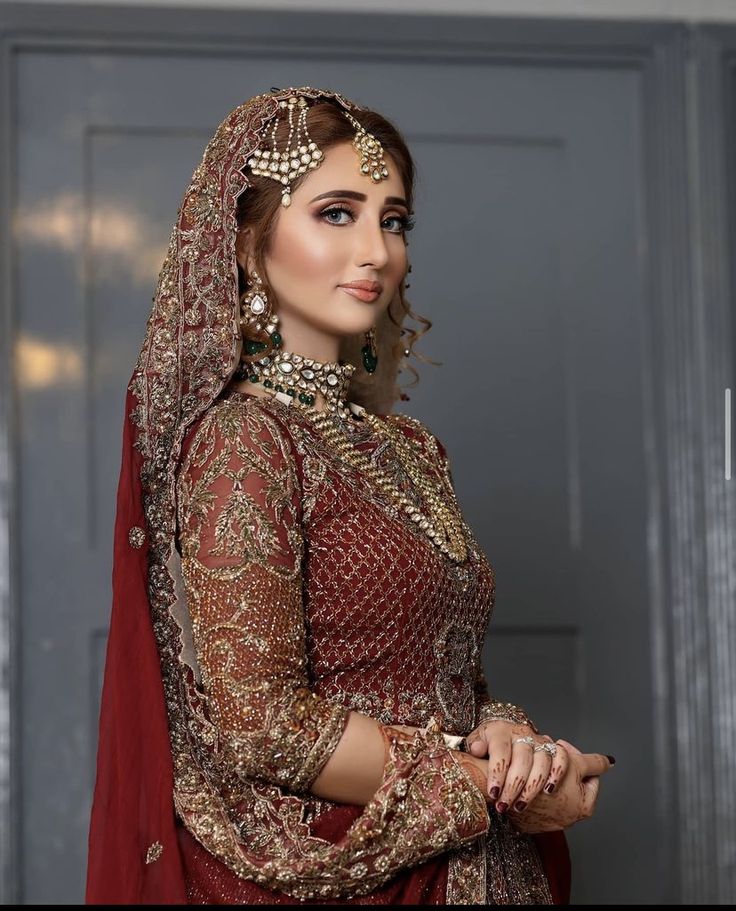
(293, 706)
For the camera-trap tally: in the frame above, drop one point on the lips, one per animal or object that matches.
(362, 295)
(363, 285)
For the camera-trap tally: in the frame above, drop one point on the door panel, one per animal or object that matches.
(526, 257)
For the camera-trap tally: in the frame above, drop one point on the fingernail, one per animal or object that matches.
(495, 792)
(549, 787)
(519, 805)
(611, 760)
(502, 807)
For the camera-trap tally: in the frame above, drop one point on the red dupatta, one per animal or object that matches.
(132, 816)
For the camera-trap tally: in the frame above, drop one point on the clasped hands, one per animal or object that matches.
(540, 791)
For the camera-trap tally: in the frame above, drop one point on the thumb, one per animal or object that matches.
(596, 764)
(590, 792)
(593, 764)
(479, 747)
(568, 746)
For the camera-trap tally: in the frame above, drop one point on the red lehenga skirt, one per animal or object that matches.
(211, 882)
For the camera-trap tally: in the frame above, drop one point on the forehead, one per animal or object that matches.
(340, 170)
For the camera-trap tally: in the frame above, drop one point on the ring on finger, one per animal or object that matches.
(529, 739)
(550, 748)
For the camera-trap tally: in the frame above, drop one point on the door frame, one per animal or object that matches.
(687, 79)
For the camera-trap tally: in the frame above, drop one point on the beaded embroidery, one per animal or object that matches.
(254, 825)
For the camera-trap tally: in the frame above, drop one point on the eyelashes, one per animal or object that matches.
(406, 222)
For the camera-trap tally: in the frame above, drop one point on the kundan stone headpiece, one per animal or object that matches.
(300, 153)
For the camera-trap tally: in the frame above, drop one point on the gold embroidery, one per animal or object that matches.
(154, 852)
(466, 874)
(242, 536)
(136, 536)
(242, 548)
(257, 828)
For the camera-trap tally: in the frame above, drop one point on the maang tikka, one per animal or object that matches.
(301, 153)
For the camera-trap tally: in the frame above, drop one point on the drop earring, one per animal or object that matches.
(256, 316)
(369, 351)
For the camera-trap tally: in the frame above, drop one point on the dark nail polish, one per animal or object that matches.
(611, 760)
(495, 792)
(549, 787)
(519, 805)
(501, 807)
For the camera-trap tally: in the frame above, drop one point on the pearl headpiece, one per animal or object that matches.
(301, 154)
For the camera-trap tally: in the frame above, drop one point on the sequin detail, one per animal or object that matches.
(259, 829)
(304, 605)
(136, 537)
(154, 852)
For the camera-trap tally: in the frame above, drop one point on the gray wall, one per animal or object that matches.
(572, 252)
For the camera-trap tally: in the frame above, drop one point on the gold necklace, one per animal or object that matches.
(445, 526)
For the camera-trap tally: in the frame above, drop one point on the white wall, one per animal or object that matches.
(687, 10)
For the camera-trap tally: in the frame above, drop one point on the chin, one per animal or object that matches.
(357, 325)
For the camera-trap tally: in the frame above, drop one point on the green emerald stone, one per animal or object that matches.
(369, 361)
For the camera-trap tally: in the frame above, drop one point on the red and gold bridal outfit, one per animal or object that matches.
(311, 595)
(261, 590)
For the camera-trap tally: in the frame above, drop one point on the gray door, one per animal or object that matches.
(527, 257)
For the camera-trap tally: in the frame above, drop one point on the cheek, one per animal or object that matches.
(301, 251)
(399, 260)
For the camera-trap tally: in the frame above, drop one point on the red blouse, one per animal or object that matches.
(310, 594)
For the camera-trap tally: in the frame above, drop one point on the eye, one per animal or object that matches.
(335, 210)
(333, 215)
(406, 222)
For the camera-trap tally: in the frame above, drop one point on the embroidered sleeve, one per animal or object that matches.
(242, 547)
(425, 805)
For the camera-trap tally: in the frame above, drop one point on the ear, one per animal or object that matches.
(243, 243)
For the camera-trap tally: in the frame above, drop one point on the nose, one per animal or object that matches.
(372, 248)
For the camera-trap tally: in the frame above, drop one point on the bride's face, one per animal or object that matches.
(341, 227)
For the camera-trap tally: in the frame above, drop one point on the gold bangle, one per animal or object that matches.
(505, 711)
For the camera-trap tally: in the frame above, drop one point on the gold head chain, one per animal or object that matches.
(300, 153)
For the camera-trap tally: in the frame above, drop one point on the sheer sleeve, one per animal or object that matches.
(241, 537)
(239, 508)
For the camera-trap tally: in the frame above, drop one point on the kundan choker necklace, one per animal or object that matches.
(295, 379)
(301, 378)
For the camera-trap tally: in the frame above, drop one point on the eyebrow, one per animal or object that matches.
(361, 197)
